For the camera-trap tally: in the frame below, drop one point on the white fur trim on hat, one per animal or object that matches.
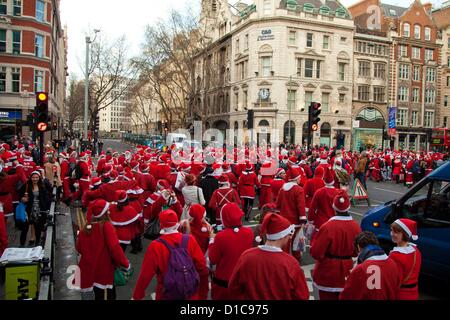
(35, 172)
(406, 229)
(204, 229)
(281, 234)
(103, 211)
(258, 239)
(236, 230)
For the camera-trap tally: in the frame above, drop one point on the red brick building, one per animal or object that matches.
(32, 58)
(413, 81)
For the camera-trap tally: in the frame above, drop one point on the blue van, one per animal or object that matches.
(427, 203)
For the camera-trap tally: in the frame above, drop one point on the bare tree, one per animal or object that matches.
(74, 102)
(142, 107)
(112, 75)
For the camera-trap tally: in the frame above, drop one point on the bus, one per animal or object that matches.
(440, 139)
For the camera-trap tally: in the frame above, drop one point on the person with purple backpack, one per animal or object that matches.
(178, 263)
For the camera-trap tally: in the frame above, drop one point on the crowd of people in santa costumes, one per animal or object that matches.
(141, 187)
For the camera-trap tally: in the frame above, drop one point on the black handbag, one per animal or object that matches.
(152, 230)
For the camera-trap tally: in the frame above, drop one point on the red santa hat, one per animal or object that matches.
(168, 221)
(108, 168)
(96, 181)
(248, 166)
(96, 209)
(198, 213)
(36, 172)
(294, 174)
(276, 227)
(341, 202)
(120, 170)
(143, 167)
(319, 172)
(12, 157)
(409, 226)
(293, 160)
(121, 196)
(279, 172)
(163, 184)
(224, 180)
(83, 156)
(231, 216)
(114, 175)
(5, 146)
(329, 180)
(323, 156)
(128, 176)
(134, 165)
(225, 166)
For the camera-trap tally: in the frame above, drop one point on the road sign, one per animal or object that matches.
(359, 192)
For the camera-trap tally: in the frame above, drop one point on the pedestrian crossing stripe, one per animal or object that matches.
(359, 193)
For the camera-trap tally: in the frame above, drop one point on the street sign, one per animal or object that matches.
(22, 281)
(359, 192)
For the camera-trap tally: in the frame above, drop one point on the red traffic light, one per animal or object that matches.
(316, 105)
(42, 126)
(314, 127)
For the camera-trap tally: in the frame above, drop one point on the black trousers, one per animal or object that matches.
(211, 214)
(100, 294)
(248, 206)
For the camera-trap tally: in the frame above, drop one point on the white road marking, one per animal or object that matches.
(390, 191)
(358, 214)
(307, 271)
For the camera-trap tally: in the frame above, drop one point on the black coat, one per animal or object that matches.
(44, 198)
(209, 184)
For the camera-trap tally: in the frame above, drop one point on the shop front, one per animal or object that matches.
(10, 123)
(368, 130)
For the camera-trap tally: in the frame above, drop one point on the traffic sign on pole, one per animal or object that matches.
(359, 192)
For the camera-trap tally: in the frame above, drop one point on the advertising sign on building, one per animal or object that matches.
(266, 34)
(392, 125)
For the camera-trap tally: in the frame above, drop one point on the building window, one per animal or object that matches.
(3, 6)
(448, 81)
(308, 99)
(444, 122)
(326, 42)
(40, 10)
(415, 118)
(15, 80)
(17, 7)
(266, 64)
(403, 51)
(402, 117)
(379, 71)
(38, 80)
(430, 96)
(415, 95)
(318, 64)
(291, 99)
(309, 68)
(378, 94)
(245, 99)
(364, 68)
(406, 30)
(403, 94)
(429, 119)
(309, 40)
(416, 75)
(363, 93)
(2, 40)
(427, 34)
(325, 102)
(236, 100)
(429, 54)
(2, 79)
(404, 71)
(341, 71)
(267, 8)
(431, 75)
(448, 60)
(16, 41)
(445, 101)
(343, 39)
(292, 37)
(416, 53)
(341, 97)
(39, 46)
(246, 42)
(417, 31)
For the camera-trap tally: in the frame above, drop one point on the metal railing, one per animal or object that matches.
(48, 261)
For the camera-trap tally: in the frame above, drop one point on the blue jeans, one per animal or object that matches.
(362, 177)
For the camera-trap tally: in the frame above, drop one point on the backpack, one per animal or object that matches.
(181, 280)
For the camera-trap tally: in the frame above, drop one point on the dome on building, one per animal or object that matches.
(325, 7)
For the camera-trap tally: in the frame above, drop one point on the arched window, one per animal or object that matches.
(416, 31)
(341, 13)
(406, 30)
(289, 132)
(325, 134)
(427, 34)
(264, 123)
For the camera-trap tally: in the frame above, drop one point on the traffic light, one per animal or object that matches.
(42, 111)
(54, 125)
(97, 123)
(314, 112)
(166, 126)
(250, 116)
(30, 119)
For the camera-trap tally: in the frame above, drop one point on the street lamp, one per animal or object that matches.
(86, 84)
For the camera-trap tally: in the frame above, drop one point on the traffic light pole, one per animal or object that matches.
(308, 143)
(41, 148)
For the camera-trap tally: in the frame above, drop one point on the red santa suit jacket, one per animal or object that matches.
(247, 183)
(161, 171)
(409, 261)
(107, 191)
(311, 186)
(321, 208)
(268, 273)
(221, 197)
(291, 202)
(276, 185)
(160, 202)
(333, 250)
(100, 255)
(385, 287)
(232, 178)
(3, 234)
(156, 261)
(147, 182)
(124, 222)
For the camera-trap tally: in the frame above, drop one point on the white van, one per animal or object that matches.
(175, 138)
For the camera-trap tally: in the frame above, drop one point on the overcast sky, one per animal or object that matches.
(117, 17)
